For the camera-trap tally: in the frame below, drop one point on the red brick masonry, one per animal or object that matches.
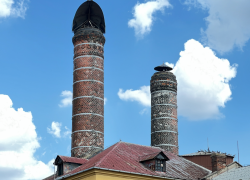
(88, 93)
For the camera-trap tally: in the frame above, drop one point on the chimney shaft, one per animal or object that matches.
(88, 81)
(164, 122)
(88, 93)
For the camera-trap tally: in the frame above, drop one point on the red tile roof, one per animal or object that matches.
(148, 156)
(73, 160)
(126, 157)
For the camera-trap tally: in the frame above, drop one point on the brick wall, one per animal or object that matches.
(164, 123)
(88, 93)
(218, 161)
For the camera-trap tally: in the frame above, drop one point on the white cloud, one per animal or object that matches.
(55, 129)
(67, 132)
(13, 8)
(142, 95)
(67, 99)
(228, 23)
(105, 100)
(169, 64)
(143, 15)
(18, 143)
(144, 111)
(203, 83)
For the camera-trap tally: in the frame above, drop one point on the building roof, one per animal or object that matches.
(125, 157)
(233, 165)
(199, 153)
(151, 156)
(235, 174)
(73, 159)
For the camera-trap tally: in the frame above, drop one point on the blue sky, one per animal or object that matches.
(207, 42)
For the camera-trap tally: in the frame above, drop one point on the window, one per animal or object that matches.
(152, 167)
(159, 165)
(60, 169)
(156, 163)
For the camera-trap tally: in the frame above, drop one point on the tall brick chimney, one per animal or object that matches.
(218, 161)
(88, 82)
(164, 122)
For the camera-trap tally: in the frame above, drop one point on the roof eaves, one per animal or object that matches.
(69, 175)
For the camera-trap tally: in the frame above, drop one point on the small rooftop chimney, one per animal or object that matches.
(218, 161)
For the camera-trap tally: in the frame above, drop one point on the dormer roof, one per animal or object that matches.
(60, 159)
(156, 155)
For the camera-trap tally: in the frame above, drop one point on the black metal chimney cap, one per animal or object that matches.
(89, 11)
(163, 67)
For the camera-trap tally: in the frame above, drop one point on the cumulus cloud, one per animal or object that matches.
(105, 100)
(13, 8)
(143, 15)
(144, 111)
(67, 99)
(18, 143)
(55, 129)
(142, 95)
(227, 23)
(169, 64)
(203, 83)
(67, 133)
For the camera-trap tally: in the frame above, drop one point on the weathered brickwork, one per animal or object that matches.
(86, 122)
(88, 88)
(85, 74)
(92, 61)
(218, 161)
(88, 93)
(164, 122)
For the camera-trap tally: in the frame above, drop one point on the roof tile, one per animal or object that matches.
(126, 157)
(73, 160)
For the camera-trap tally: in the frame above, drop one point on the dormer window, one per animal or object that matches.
(159, 164)
(66, 164)
(155, 161)
(59, 164)
(60, 169)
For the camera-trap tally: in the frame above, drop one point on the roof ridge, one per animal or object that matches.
(142, 145)
(150, 154)
(69, 157)
(115, 146)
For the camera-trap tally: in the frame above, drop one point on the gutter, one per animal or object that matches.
(66, 176)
